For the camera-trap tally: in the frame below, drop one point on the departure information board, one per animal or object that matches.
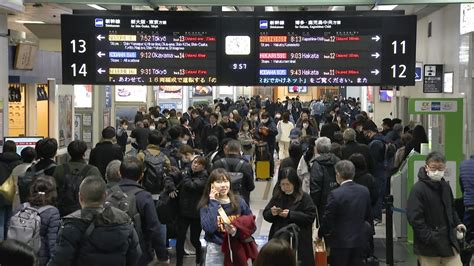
(205, 48)
(140, 50)
(332, 51)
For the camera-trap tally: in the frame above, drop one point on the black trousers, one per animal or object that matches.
(183, 224)
(346, 257)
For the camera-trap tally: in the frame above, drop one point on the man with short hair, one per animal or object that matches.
(153, 232)
(105, 151)
(213, 129)
(112, 173)
(76, 168)
(96, 235)
(322, 174)
(234, 162)
(230, 127)
(28, 156)
(197, 123)
(46, 150)
(347, 218)
(431, 213)
(267, 131)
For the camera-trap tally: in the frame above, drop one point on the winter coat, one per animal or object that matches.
(466, 175)
(103, 153)
(50, 222)
(231, 125)
(302, 213)
(141, 134)
(190, 192)
(377, 153)
(367, 180)
(8, 161)
(322, 179)
(112, 242)
(352, 147)
(210, 130)
(431, 213)
(284, 130)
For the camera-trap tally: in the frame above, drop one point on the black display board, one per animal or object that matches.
(205, 48)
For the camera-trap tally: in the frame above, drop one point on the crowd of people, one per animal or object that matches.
(194, 171)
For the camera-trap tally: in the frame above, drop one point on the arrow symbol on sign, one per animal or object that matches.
(100, 37)
(100, 54)
(376, 55)
(375, 72)
(376, 38)
(101, 71)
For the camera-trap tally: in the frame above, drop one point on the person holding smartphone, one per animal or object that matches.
(218, 208)
(291, 205)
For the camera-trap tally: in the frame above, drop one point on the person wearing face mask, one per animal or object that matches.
(430, 211)
(284, 129)
(246, 141)
(219, 209)
(291, 205)
(347, 219)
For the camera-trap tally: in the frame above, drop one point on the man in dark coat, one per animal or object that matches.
(266, 131)
(466, 176)
(213, 129)
(377, 154)
(230, 127)
(352, 147)
(347, 218)
(431, 214)
(105, 151)
(111, 240)
(322, 174)
(230, 163)
(153, 232)
(197, 124)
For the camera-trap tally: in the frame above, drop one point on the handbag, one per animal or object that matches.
(167, 208)
(319, 246)
(8, 189)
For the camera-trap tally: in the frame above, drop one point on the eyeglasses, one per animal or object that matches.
(437, 168)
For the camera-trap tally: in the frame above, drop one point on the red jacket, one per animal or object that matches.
(242, 245)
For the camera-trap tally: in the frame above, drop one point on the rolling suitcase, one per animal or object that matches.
(262, 170)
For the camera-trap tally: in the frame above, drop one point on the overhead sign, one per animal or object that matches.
(436, 106)
(204, 48)
(433, 79)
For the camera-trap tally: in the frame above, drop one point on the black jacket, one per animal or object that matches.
(12, 159)
(210, 130)
(322, 179)
(302, 213)
(377, 154)
(50, 223)
(190, 192)
(431, 213)
(233, 127)
(112, 242)
(247, 182)
(367, 180)
(197, 124)
(347, 219)
(353, 147)
(149, 218)
(103, 153)
(141, 134)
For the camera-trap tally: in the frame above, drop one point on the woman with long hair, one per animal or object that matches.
(291, 205)
(218, 208)
(284, 127)
(276, 252)
(246, 140)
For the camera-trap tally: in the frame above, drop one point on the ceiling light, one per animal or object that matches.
(337, 8)
(29, 21)
(97, 7)
(385, 7)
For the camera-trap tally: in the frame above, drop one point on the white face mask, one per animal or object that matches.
(277, 116)
(152, 128)
(305, 125)
(288, 193)
(435, 175)
(265, 120)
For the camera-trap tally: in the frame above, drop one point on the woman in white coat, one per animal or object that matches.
(284, 127)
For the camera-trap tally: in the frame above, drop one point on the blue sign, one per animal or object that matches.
(108, 96)
(418, 73)
(168, 106)
(263, 24)
(436, 106)
(99, 22)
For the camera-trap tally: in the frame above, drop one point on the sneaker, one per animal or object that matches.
(164, 262)
(378, 222)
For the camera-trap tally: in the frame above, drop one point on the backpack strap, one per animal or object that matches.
(239, 166)
(224, 163)
(44, 208)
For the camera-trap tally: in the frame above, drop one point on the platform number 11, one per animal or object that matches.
(396, 44)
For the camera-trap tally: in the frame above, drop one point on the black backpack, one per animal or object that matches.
(153, 179)
(68, 193)
(25, 180)
(235, 175)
